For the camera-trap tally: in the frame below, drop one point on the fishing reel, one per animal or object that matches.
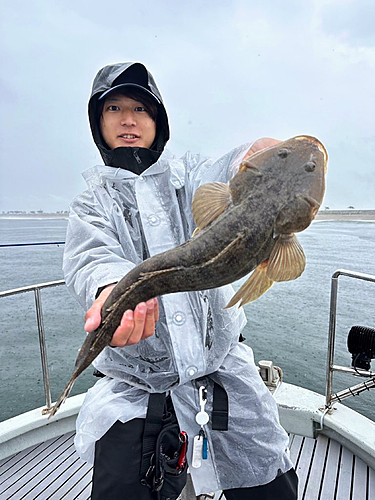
(361, 345)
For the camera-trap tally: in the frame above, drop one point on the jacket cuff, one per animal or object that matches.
(101, 288)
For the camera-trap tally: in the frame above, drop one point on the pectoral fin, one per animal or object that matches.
(287, 260)
(210, 200)
(254, 287)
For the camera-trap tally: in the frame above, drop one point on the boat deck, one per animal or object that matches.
(53, 470)
(50, 470)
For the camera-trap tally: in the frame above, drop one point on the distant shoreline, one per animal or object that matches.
(34, 216)
(345, 215)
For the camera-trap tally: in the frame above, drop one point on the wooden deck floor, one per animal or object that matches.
(328, 471)
(52, 470)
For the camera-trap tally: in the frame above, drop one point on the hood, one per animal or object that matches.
(130, 158)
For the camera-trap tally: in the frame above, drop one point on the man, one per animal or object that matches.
(138, 205)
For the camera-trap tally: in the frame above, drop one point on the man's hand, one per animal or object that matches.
(263, 143)
(134, 326)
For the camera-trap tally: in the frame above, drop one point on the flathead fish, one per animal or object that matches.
(245, 225)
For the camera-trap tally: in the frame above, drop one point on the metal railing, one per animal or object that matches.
(11, 245)
(331, 367)
(39, 317)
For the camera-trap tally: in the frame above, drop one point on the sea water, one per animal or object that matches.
(288, 325)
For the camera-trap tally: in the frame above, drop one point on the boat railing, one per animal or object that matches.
(39, 317)
(331, 367)
(42, 243)
(39, 314)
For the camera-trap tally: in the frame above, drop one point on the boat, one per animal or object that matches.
(331, 445)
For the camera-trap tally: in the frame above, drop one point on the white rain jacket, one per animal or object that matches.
(120, 220)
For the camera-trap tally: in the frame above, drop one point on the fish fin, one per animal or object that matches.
(89, 344)
(98, 338)
(247, 165)
(287, 260)
(254, 287)
(61, 399)
(210, 200)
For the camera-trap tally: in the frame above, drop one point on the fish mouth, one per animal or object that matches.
(313, 203)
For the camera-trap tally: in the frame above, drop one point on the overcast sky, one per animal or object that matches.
(229, 71)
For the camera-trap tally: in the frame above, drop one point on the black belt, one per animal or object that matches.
(153, 425)
(220, 408)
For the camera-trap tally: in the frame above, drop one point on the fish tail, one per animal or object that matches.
(61, 399)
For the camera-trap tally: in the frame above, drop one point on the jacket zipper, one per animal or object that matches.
(139, 161)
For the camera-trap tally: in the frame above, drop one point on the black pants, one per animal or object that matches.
(117, 470)
(284, 487)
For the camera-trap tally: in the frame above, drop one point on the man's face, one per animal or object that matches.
(126, 122)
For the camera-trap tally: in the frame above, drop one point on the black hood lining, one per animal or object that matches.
(108, 78)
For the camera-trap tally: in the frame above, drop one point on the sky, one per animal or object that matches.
(230, 72)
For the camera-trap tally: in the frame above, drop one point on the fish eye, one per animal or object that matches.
(310, 166)
(283, 153)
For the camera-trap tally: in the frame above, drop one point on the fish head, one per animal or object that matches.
(307, 160)
(292, 175)
(306, 166)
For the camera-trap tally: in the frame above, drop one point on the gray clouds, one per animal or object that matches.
(230, 72)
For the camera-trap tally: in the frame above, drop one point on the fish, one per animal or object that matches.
(246, 225)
